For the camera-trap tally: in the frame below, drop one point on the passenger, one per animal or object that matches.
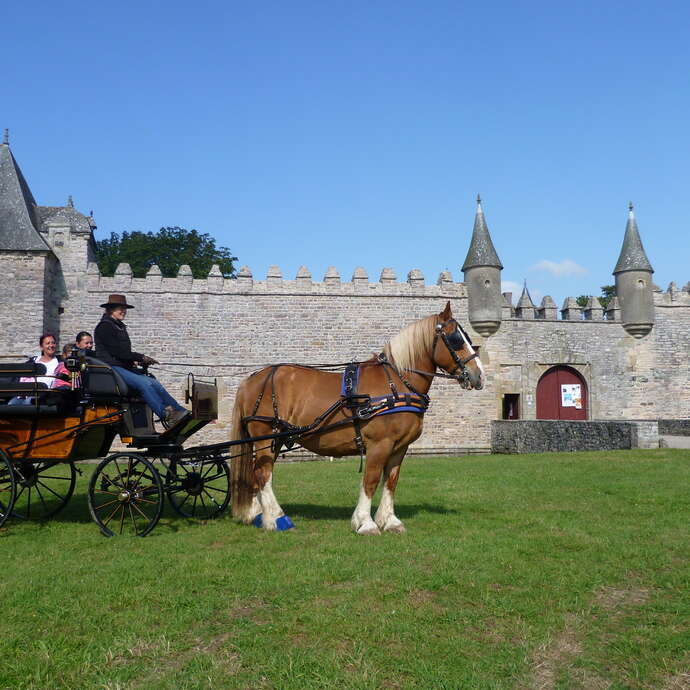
(114, 347)
(63, 376)
(48, 359)
(84, 340)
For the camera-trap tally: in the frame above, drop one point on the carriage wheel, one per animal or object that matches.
(7, 488)
(42, 490)
(126, 495)
(198, 489)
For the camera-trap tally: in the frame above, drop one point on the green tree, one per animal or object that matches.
(608, 292)
(169, 248)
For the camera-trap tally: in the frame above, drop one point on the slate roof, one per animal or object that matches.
(481, 251)
(632, 256)
(18, 216)
(67, 214)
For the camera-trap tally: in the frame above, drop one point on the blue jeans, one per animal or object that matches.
(156, 397)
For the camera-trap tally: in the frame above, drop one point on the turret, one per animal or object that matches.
(482, 269)
(525, 307)
(633, 274)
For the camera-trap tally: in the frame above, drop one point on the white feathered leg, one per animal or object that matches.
(385, 516)
(269, 506)
(361, 518)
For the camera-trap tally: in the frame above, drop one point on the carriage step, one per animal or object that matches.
(282, 523)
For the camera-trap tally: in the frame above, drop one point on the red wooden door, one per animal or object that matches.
(561, 394)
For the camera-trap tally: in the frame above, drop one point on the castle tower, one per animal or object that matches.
(27, 264)
(482, 269)
(633, 274)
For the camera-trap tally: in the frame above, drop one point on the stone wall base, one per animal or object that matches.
(557, 436)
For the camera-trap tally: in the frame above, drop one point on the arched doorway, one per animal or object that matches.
(561, 394)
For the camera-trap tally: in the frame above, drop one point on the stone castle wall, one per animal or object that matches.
(226, 328)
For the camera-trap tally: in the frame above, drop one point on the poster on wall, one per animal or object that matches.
(571, 395)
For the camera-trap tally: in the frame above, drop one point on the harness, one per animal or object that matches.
(360, 407)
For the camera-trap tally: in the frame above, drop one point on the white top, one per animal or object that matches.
(50, 366)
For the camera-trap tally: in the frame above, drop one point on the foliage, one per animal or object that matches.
(554, 570)
(169, 248)
(608, 292)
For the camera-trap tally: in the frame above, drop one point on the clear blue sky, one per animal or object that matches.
(359, 133)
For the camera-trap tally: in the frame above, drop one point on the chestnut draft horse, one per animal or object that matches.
(376, 407)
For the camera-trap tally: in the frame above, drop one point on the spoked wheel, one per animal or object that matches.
(198, 489)
(7, 488)
(126, 495)
(43, 488)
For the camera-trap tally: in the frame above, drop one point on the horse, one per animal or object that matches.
(379, 416)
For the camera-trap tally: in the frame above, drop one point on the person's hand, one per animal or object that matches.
(148, 361)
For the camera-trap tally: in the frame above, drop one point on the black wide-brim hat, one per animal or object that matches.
(116, 301)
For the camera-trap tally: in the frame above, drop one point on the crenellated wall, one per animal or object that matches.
(226, 328)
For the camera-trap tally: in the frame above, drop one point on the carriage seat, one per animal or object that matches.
(10, 374)
(102, 381)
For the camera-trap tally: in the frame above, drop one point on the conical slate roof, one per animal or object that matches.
(17, 207)
(633, 256)
(481, 251)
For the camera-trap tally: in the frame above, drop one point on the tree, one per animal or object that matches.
(608, 292)
(169, 249)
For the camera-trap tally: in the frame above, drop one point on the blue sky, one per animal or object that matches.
(359, 133)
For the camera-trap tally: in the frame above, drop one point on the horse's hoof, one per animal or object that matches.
(396, 528)
(369, 529)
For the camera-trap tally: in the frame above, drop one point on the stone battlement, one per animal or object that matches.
(274, 283)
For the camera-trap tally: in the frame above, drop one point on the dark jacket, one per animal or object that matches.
(113, 345)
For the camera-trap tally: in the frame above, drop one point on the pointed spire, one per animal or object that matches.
(525, 300)
(18, 220)
(481, 251)
(632, 256)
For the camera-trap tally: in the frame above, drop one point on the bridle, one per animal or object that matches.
(453, 342)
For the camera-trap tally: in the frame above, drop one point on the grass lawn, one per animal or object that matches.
(549, 571)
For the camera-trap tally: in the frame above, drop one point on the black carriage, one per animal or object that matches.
(42, 440)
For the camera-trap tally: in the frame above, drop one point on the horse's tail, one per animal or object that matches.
(243, 481)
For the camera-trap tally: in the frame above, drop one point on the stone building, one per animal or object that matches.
(631, 362)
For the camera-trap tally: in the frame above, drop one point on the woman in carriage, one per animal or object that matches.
(49, 360)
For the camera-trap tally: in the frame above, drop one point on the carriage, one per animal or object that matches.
(42, 442)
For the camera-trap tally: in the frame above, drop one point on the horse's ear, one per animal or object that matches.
(446, 313)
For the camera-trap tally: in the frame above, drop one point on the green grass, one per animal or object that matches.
(555, 570)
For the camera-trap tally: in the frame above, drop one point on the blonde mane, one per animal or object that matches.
(414, 340)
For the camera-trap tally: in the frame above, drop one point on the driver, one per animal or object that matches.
(115, 349)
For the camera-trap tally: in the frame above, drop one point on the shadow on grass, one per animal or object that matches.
(321, 512)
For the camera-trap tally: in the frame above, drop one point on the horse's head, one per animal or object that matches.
(453, 352)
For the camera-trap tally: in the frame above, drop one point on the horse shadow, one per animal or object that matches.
(311, 511)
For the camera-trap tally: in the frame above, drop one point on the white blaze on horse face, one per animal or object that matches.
(477, 360)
